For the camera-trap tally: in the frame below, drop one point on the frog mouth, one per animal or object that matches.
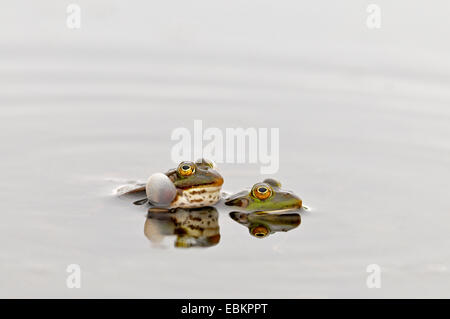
(239, 202)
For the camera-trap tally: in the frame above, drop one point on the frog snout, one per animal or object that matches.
(298, 202)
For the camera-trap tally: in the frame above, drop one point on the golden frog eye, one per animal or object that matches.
(259, 231)
(262, 191)
(186, 168)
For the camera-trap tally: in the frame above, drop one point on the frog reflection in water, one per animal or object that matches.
(195, 227)
(262, 224)
(265, 197)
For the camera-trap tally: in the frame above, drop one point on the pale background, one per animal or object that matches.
(364, 122)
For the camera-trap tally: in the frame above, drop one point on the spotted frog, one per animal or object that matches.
(190, 185)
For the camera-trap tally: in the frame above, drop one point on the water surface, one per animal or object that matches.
(364, 141)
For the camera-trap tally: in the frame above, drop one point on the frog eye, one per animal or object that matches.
(186, 168)
(262, 191)
(259, 231)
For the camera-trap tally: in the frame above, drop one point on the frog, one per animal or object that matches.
(261, 225)
(192, 227)
(190, 185)
(266, 196)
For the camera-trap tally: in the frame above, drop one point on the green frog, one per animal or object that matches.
(190, 185)
(193, 227)
(265, 197)
(261, 224)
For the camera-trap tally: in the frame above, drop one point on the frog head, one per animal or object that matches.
(198, 184)
(265, 196)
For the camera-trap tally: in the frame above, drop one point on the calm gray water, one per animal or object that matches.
(364, 124)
